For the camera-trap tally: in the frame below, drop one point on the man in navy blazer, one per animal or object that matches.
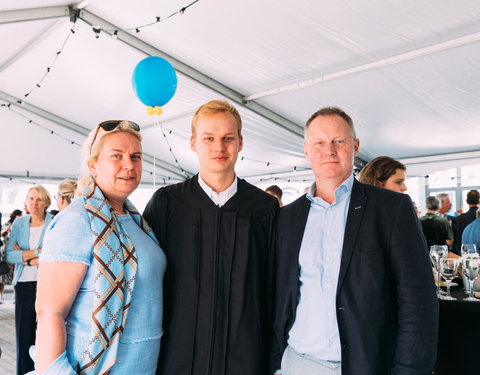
(355, 289)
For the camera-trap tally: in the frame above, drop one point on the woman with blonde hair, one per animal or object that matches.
(66, 193)
(23, 249)
(99, 300)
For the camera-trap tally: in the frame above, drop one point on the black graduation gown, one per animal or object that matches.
(218, 284)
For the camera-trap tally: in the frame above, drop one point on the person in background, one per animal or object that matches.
(346, 256)
(276, 192)
(471, 234)
(7, 278)
(218, 239)
(7, 228)
(385, 172)
(23, 249)
(436, 229)
(66, 193)
(461, 221)
(99, 301)
(445, 205)
(417, 211)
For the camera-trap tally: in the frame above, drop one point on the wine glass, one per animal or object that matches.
(471, 269)
(448, 269)
(438, 252)
(468, 248)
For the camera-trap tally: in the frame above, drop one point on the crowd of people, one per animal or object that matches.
(214, 278)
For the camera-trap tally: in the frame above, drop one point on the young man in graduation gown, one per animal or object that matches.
(216, 231)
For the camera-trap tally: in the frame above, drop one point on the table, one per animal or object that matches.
(458, 336)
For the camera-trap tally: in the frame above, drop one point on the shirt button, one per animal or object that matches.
(329, 313)
(330, 343)
(328, 232)
(328, 259)
(328, 285)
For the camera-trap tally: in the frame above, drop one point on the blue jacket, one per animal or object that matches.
(21, 235)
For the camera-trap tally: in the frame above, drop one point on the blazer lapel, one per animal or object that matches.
(299, 224)
(356, 209)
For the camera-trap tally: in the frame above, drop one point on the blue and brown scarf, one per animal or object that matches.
(115, 271)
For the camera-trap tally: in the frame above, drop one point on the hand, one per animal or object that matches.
(16, 247)
(34, 262)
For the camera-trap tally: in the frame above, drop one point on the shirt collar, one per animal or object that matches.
(344, 188)
(221, 198)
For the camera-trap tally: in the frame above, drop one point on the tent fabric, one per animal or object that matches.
(406, 72)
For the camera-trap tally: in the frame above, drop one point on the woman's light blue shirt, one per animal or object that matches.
(69, 239)
(21, 235)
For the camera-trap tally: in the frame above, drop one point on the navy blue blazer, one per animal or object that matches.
(387, 310)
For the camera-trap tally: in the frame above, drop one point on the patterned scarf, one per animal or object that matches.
(115, 271)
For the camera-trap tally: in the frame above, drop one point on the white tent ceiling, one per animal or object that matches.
(406, 71)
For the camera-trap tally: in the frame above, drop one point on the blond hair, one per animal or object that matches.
(213, 107)
(91, 151)
(44, 194)
(67, 189)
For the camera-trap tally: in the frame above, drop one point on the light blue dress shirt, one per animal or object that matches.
(69, 239)
(315, 331)
(471, 234)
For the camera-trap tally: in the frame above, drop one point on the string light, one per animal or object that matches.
(97, 31)
(242, 158)
(158, 19)
(171, 150)
(49, 68)
(72, 142)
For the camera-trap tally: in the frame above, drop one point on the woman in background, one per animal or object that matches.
(7, 278)
(66, 193)
(388, 173)
(23, 249)
(101, 272)
(385, 172)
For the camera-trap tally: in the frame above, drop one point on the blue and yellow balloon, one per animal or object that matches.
(154, 81)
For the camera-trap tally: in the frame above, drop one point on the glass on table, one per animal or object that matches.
(448, 269)
(438, 252)
(468, 248)
(471, 270)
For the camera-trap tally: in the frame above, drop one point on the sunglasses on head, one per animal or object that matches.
(109, 125)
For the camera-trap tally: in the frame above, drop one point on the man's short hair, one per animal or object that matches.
(275, 190)
(433, 203)
(442, 197)
(473, 197)
(331, 111)
(213, 107)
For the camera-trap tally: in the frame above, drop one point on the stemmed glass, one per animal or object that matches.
(438, 252)
(471, 269)
(448, 269)
(468, 248)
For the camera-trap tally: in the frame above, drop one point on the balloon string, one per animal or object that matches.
(155, 127)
